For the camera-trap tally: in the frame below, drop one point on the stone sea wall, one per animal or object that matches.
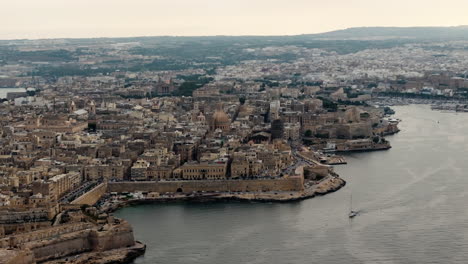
(267, 185)
(120, 236)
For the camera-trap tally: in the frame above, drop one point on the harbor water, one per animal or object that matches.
(412, 199)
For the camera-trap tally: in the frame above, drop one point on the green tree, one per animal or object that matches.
(242, 100)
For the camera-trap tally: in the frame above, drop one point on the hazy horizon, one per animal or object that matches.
(31, 19)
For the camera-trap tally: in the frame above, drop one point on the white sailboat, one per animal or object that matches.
(351, 212)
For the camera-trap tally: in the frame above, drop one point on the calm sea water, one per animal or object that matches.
(413, 200)
(4, 91)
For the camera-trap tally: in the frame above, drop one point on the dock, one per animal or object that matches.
(333, 160)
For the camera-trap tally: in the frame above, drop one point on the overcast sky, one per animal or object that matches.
(109, 18)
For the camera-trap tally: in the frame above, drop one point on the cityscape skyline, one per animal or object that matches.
(87, 19)
(259, 131)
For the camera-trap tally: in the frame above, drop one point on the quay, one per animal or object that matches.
(333, 160)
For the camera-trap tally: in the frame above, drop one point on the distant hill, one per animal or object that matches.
(428, 33)
(356, 33)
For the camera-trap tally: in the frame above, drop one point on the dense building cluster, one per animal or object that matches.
(258, 127)
(58, 140)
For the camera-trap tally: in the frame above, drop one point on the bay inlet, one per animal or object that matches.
(412, 200)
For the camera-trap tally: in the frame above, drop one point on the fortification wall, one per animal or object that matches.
(15, 256)
(283, 184)
(72, 239)
(23, 227)
(311, 172)
(23, 215)
(70, 244)
(91, 197)
(120, 236)
(43, 234)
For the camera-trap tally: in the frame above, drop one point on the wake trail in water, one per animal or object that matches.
(395, 198)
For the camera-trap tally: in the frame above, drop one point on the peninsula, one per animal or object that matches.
(98, 124)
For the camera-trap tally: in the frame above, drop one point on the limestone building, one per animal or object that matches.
(202, 171)
(58, 185)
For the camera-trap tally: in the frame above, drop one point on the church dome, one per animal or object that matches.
(221, 121)
(220, 117)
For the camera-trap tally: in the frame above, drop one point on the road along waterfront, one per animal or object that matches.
(412, 200)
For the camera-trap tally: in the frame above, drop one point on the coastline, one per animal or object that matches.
(114, 256)
(328, 185)
(365, 150)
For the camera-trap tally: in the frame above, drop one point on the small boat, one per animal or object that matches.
(353, 214)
